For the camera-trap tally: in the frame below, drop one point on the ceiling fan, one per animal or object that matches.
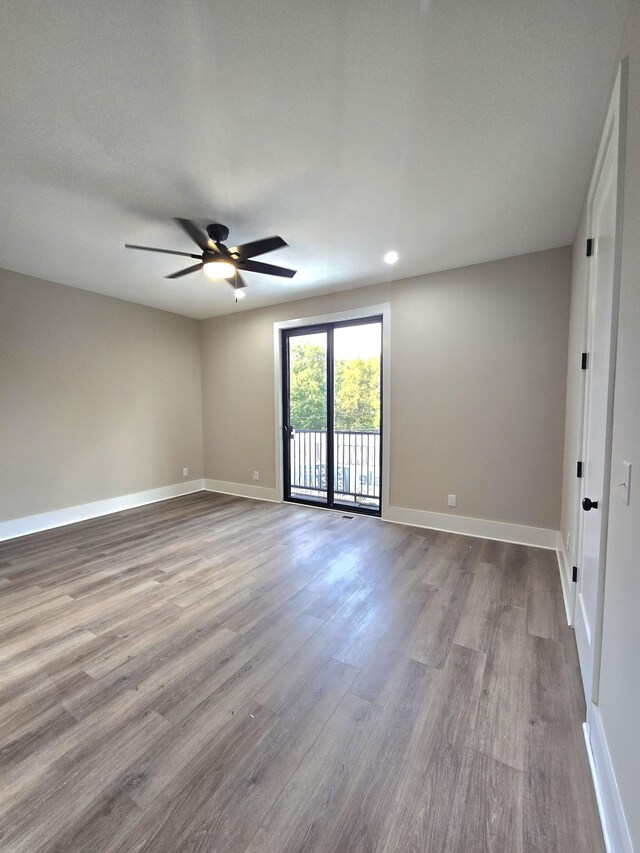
(217, 261)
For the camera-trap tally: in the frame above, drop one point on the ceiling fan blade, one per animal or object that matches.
(186, 271)
(164, 251)
(197, 235)
(267, 269)
(258, 247)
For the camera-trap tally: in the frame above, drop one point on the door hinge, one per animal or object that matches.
(584, 361)
(590, 247)
(574, 576)
(578, 469)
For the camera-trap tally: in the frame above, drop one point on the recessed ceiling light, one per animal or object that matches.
(391, 257)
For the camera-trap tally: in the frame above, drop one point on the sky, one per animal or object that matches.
(350, 341)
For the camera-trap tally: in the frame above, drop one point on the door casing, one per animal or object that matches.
(612, 144)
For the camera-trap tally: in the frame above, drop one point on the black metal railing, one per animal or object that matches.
(356, 461)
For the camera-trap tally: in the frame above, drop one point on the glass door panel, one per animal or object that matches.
(357, 410)
(307, 420)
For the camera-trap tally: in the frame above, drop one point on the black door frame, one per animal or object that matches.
(328, 328)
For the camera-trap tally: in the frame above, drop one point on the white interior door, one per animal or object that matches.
(602, 299)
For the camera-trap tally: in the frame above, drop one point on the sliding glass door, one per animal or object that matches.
(332, 399)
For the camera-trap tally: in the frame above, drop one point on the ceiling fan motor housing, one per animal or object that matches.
(217, 232)
(215, 257)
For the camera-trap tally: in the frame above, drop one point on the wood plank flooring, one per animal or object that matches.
(217, 674)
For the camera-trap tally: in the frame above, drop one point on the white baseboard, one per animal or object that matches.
(568, 586)
(503, 531)
(517, 533)
(242, 490)
(615, 829)
(69, 515)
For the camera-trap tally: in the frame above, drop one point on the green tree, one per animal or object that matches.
(308, 386)
(357, 398)
(357, 391)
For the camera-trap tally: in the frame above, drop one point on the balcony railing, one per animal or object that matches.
(356, 460)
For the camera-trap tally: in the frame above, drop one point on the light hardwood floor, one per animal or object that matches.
(216, 674)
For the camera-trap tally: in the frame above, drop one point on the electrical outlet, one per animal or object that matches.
(185, 472)
(256, 475)
(452, 500)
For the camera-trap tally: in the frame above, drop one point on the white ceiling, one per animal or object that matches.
(452, 131)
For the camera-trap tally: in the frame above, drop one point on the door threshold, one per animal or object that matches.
(343, 510)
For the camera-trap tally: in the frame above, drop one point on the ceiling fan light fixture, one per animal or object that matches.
(240, 294)
(218, 262)
(391, 258)
(219, 270)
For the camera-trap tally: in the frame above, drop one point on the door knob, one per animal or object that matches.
(588, 504)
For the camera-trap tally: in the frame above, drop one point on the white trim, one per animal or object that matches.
(502, 531)
(70, 515)
(615, 829)
(568, 586)
(520, 534)
(384, 310)
(241, 490)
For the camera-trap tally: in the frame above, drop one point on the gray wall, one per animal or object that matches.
(478, 375)
(98, 397)
(620, 676)
(102, 398)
